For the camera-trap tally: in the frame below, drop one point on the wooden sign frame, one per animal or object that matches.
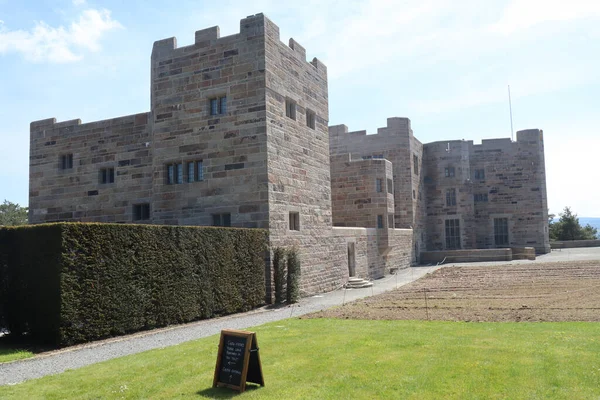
(251, 366)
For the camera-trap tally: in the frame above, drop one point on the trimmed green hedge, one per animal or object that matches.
(279, 275)
(293, 276)
(71, 282)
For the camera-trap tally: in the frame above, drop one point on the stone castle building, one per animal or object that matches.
(237, 135)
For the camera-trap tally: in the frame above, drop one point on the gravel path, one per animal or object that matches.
(79, 356)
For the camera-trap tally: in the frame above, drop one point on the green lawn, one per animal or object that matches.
(335, 359)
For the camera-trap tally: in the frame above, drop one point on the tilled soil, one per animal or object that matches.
(523, 292)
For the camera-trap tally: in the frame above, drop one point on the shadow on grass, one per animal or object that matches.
(223, 393)
(14, 348)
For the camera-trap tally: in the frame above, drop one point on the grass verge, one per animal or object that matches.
(333, 359)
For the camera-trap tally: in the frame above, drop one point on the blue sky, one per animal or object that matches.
(445, 66)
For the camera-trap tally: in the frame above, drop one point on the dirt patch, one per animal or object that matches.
(522, 292)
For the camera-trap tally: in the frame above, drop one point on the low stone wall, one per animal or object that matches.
(523, 253)
(571, 244)
(475, 255)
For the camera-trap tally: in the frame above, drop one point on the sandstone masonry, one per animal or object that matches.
(238, 135)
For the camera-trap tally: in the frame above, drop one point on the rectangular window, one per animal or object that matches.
(222, 219)
(480, 174)
(191, 171)
(290, 109)
(390, 221)
(449, 172)
(141, 212)
(107, 175)
(66, 161)
(310, 119)
(179, 173)
(481, 197)
(223, 105)
(452, 234)
(390, 186)
(174, 173)
(170, 174)
(377, 156)
(367, 157)
(294, 221)
(380, 222)
(379, 185)
(416, 164)
(450, 197)
(218, 105)
(501, 231)
(199, 171)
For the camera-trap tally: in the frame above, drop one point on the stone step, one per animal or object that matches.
(358, 283)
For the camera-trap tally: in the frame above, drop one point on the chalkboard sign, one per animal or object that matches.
(238, 360)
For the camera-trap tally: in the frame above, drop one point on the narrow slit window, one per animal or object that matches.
(310, 119)
(290, 109)
(294, 221)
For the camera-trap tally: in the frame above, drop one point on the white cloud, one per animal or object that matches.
(60, 44)
(523, 14)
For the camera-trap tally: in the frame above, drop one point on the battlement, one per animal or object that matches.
(251, 26)
(395, 126)
(75, 125)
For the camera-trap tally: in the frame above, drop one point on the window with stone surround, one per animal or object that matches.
(223, 219)
(107, 175)
(390, 186)
(416, 164)
(390, 221)
(290, 109)
(310, 119)
(449, 172)
(141, 212)
(294, 218)
(380, 222)
(452, 229)
(480, 174)
(501, 232)
(480, 197)
(66, 161)
(450, 197)
(379, 185)
(194, 171)
(174, 173)
(218, 105)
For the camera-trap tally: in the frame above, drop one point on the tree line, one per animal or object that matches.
(568, 227)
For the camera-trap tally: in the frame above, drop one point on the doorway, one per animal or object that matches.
(351, 260)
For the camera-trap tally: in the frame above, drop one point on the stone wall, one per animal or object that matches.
(298, 160)
(570, 244)
(361, 190)
(512, 186)
(76, 193)
(394, 142)
(473, 255)
(232, 145)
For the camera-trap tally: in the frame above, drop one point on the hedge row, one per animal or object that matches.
(71, 283)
